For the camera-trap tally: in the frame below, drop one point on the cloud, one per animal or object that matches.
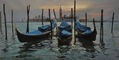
(93, 7)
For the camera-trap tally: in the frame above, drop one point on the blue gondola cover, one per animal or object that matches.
(47, 27)
(80, 27)
(65, 28)
(65, 25)
(65, 32)
(34, 32)
(87, 32)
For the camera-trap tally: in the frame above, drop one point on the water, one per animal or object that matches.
(51, 51)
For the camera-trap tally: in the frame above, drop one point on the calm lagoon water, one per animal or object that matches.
(51, 51)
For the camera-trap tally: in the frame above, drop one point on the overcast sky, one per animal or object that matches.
(93, 7)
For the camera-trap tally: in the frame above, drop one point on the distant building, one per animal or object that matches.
(38, 20)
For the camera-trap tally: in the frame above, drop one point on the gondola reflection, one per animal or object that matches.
(63, 52)
(89, 46)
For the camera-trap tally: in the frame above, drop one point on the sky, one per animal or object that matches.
(92, 7)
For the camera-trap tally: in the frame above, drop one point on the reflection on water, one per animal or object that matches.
(45, 50)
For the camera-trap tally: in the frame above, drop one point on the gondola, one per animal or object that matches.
(86, 33)
(64, 33)
(42, 33)
(86, 36)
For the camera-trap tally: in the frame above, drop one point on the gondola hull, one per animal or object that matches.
(43, 33)
(87, 37)
(64, 40)
(30, 38)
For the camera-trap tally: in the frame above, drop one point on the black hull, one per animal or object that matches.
(35, 38)
(87, 37)
(64, 40)
(30, 38)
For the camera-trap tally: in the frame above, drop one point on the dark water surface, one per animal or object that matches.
(13, 49)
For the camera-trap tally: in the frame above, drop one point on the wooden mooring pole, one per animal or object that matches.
(12, 22)
(71, 16)
(86, 19)
(42, 16)
(60, 12)
(74, 21)
(54, 13)
(112, 23)
(101, 29)
(94, 23)
(5, 22)
(0, 23)
(28, 10)
(50, 23)
(73, 31)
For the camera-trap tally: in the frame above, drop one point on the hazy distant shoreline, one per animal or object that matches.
(59, 21)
